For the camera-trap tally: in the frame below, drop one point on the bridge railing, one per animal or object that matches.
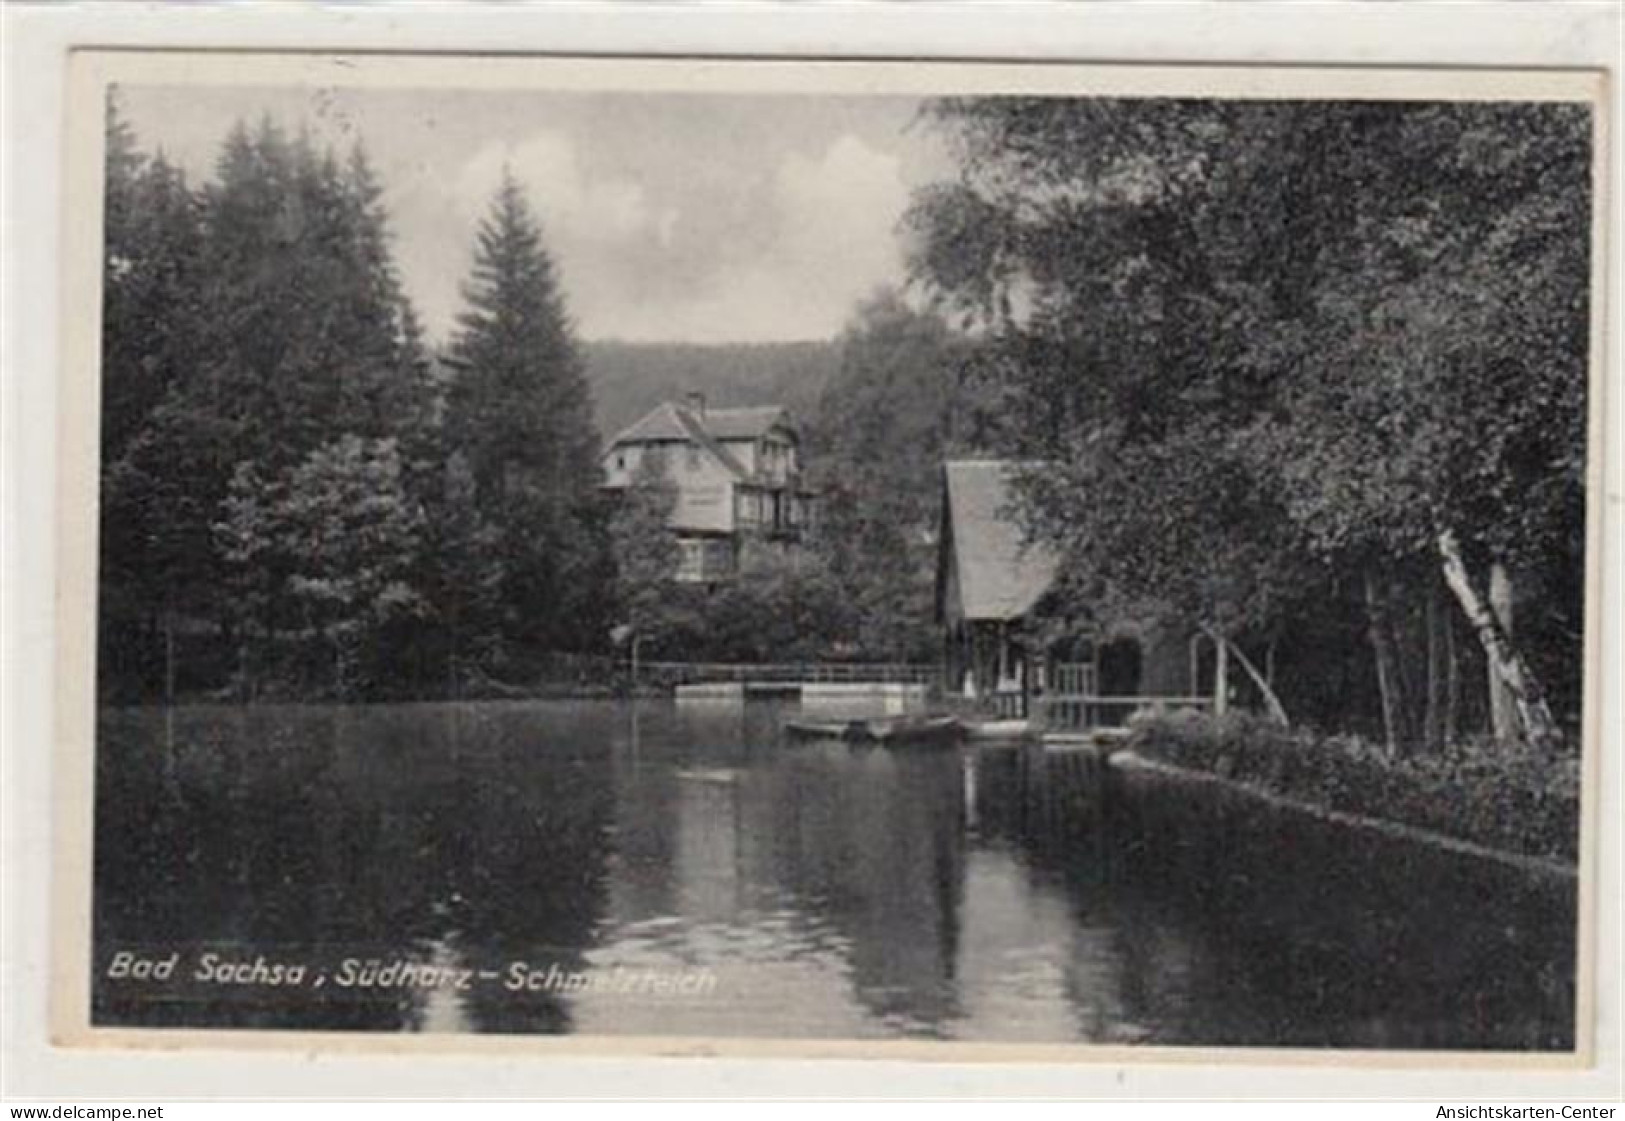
(794, 673)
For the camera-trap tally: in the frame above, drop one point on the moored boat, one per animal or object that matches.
(997, 729)
(890, 730)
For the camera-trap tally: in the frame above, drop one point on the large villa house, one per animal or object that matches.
(737, 474)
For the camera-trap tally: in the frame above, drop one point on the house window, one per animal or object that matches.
(719, 559)
(620, 461)
(691, 560)
(693, 457)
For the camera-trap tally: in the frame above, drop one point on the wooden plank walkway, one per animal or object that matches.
(803, 673)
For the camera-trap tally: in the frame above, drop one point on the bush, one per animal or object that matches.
(1503, 798)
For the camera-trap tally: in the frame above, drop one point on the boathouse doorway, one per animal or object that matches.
(1118, 667)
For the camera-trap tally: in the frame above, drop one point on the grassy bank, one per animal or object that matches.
(1491, 795)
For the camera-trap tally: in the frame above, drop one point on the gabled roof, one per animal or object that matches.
(696, 431)
(672, 422)
(999, 575)
(659, 423)
(745, 424)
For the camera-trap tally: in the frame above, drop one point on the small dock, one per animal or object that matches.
(889, 697)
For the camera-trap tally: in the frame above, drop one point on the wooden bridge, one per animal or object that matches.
(1075, 703)
(792, 673)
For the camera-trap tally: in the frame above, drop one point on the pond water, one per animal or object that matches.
(610, 868)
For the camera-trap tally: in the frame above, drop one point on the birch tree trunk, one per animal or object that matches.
(1503, 708)
(1529, 700)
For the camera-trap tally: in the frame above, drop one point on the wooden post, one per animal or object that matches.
(1224, 647)
(1221, 676)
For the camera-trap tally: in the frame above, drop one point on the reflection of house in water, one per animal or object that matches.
(870, 846)
(709, 847)
(1002, 644)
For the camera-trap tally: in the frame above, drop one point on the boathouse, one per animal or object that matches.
(1004, 644)
(990, 579)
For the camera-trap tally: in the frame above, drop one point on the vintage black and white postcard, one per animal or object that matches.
(830, 557)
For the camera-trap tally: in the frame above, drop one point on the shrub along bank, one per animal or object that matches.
(1489, 794)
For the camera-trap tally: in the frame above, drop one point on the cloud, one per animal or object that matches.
(701, 218)
(574, 205)
(843, 206)
(664, 250)
(839, 228)
(831, 224)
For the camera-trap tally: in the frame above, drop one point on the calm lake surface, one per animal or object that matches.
(604, 867)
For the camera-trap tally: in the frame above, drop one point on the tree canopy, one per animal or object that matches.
(1262, 347)
(284, 466)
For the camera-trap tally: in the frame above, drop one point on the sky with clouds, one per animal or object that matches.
(686, 217)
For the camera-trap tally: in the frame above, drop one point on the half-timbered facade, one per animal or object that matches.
(737, 477)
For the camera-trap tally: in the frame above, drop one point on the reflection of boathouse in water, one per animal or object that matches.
(1002, 645)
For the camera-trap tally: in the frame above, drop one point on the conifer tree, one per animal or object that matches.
(150, 319)
(521, 411)
(248, 328)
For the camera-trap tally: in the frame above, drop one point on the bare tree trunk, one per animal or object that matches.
(1503, 709)
(1383, 653)
(1410, 686)
(1529, 699)
(1221, 675)
(1452, 685)
(1433, 715)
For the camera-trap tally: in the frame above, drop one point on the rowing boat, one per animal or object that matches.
(896, 730)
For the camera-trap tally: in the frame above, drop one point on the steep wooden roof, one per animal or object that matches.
(747, 423)
(987, 566)
(671, 421)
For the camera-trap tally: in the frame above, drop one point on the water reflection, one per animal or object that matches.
(811, 890)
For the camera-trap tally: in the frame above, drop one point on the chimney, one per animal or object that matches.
(695, 403)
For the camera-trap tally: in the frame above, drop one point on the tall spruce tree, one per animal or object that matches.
(150, 319)
(521, 412)
(251, 330)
